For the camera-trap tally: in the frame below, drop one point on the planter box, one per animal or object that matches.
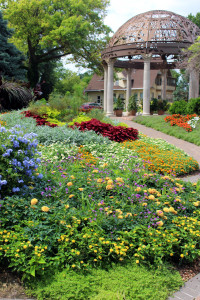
(118, 112)
(161, 112)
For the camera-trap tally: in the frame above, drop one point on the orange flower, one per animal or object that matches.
(69, 184)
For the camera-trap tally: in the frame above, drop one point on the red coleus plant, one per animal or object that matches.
(114, 133)
(180, 121)
(41, 121)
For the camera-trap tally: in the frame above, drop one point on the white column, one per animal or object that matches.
(146, 84)
(128, 86)
(164, 84)
(105, 66)
(109, 111)
(194, 84)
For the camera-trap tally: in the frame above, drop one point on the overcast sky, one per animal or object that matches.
(120, 11)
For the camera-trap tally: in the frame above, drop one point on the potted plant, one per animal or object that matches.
(153, 105)
(118, 107)
(132, 105)
(163, 105)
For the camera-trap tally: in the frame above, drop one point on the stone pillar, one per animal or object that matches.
(128, 87)
(109, 110)
(194, 84)
(105, 66)
(164, 84)
(146, 84)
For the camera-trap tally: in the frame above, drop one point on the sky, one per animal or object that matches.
(120, 11)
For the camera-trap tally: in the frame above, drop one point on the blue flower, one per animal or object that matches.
(17, 189)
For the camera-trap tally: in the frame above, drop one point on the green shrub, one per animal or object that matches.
(96, 114)
(178, 107)
(193, 106)
(79, 119)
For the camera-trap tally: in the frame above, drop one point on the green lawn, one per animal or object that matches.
(158, 123)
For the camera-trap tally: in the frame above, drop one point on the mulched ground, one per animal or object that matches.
(12, 287)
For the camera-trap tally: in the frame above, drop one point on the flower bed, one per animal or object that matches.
(41, 121)
(97, 204)
(114, 133)
(181, 121)
(84, 214)
(162, 157)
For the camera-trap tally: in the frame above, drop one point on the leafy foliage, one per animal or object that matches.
(114, 133)
(178, 107)
(11, 59)
(193, 106)
(51, 29)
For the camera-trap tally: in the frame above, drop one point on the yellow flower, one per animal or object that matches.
(160, 223)
(69, 184)
(34, 201)
(72, 177)
(99, 180)
(120, 217)
(196, 203)
(182, 255)
(110, 181)
(95, 171)
(138, 189)
(166, 209)
(151, 197)
(70, 196)
(119, 179)
(109, 187)
(67, 206)
(160, 213)
(144, 204)
(137, 261)
(80, 189)
(73, 266)
(45, 208)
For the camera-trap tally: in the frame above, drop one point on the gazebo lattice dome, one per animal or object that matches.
(153, 40)
(157, 32)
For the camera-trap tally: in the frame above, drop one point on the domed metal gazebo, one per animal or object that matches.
(155, 40)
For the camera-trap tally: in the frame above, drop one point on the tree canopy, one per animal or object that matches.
(194, 50)
(11, 59)
(48, 29)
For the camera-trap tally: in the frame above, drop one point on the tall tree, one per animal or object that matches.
(49, 29)
(11, 59)
(193, 52)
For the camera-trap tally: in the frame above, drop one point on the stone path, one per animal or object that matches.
(191, 289)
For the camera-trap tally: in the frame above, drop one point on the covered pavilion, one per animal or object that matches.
(151, 40)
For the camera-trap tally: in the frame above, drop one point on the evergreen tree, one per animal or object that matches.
(11, 59)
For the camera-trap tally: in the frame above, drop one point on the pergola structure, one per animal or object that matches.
(152, 40)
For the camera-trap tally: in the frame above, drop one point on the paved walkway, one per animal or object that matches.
(191, 289)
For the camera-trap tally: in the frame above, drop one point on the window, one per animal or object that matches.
(141, 95)
(98, 99)
(158, 80)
